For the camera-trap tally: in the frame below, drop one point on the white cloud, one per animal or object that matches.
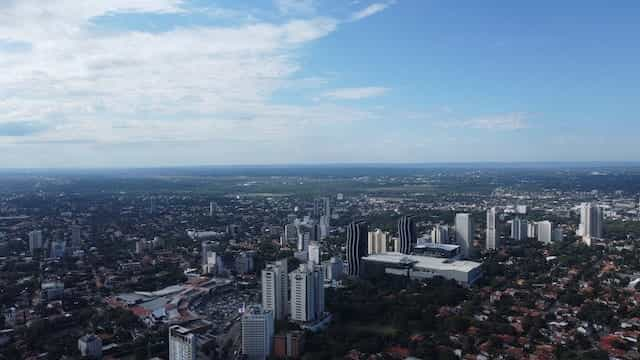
(509, 121)
(355, 93)
(506, 121)
(288, 7)
(188, 83)
(371, 10)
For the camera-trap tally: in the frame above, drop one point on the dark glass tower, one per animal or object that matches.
(408, 236)
(357, 233)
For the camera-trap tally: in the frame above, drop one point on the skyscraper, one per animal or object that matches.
(35, 241)
(377, 242)
(76, 236)
(257, 332)
(290, 236)
(357, 233)
(440, 234)
(314, 253)
(407, 232)
(545, 231)
(590, 222)
(464, 233)
(182, 344)
(307, 293)
(492, 236)
(275, 289)
(519, 229)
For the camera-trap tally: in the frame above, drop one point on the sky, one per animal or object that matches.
(136, 83)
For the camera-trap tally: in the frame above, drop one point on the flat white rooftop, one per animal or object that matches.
(425, 262)
(445, 247)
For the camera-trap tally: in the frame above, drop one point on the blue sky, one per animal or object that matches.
(190, 82)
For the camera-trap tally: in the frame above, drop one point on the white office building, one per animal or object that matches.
(314, 253)
(419, 267)
(307, 293)
(440, 234)
(275, 289)
(519, 229)
(545, 232)
(257, 332)
(591, 217)
(182, 344)
(492, 235)
(464, 234)
(378, 241)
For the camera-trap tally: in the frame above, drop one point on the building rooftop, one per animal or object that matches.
(426, 262)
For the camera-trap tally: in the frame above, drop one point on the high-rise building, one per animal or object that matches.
(407, 233)
(492, 234)
(76, 236)
(377, 242)
(464, 233)
(290, 236)
(307, 293)
(314, 231)
(591, 216)
(275, 289)
(314, 253)
(519, 229)
(440, 234)
(35, 241)
(333, 269)
(532, 230)
(325, 228)
(545, 231)
(257, 332)
(357, 233)
(182, 344)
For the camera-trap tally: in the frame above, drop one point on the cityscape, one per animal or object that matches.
(319, 180)
(423, 262)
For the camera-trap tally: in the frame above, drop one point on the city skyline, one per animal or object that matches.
(184, 82)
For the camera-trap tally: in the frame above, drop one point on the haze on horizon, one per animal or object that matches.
(129, 83)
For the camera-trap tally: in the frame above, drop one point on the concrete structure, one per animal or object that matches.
(545, 231)
(378, 242)
(440, 234)
(407, 233)
(314, 253)
(182, 344)
(290, 235)
(334, 269)
(275, 289)
(76, 236)
(356, 246)
(591, 217)
(257, 333)
(492, 233)
(465, 234)
(420, 267)
(532, 230)
(438, 250)
(35, 241)
(519, 229)
(307, 293)
(90, 346)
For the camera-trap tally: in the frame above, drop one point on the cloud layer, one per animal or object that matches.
(65, 79)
